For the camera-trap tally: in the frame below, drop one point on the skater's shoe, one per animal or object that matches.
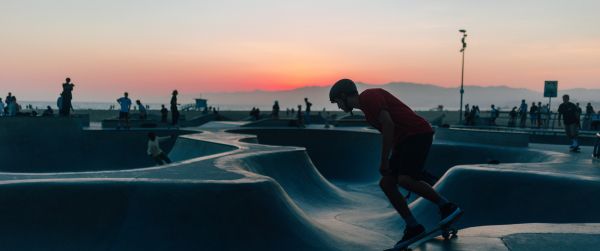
(598, 135)
(449, 212)
(410, 234)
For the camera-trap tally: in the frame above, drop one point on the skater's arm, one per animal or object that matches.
(149, 150)
(387, 133)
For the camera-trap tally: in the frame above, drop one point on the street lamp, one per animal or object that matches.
(462, 76)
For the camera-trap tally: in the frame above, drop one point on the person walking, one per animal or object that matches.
(568, 112)
(406, 140)
(125, 104)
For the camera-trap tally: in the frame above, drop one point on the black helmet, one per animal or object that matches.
(342, 86)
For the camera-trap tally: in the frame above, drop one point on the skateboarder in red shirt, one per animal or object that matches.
(408, 138)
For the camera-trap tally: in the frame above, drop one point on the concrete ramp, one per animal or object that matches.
(496, 196)
(522, 237)
(188, 147)
(156, 215)
(300, 189)
(334, 152)
(295, 172)
(353, 156)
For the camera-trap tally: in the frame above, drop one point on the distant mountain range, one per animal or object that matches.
(418, 96)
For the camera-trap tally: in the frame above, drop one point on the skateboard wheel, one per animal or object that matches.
(454, 232)
(446, 235)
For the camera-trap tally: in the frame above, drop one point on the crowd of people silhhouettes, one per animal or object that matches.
(125, 105)
(570, 116)
(536, 115)
(302, 118)
(9, 107)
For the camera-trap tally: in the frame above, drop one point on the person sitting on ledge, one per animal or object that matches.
(154, 149)
(48, 112)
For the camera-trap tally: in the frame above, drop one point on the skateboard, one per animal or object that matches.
(447, 231)
(575, 149)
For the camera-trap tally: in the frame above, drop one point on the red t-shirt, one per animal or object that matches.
(406, 121)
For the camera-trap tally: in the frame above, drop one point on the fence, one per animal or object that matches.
(540, 121)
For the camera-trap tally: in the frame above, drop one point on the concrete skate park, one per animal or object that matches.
(237, 186)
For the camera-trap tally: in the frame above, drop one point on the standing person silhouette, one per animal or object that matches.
(300, 120)
(523, 113)
(66, 97)
(125, 104)
(163, 114)
(406, 139)
(142, 109)
(275, 111)
(174, 111)
(307, 112)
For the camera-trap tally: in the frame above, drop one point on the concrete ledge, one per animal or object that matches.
(482, 137)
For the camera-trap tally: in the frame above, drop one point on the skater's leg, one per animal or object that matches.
(389, 186)
(409, 159)
(571, 130)
(421, 188)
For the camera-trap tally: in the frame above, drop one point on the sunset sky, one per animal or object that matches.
(149, 47)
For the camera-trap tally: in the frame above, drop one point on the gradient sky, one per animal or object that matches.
(150, 47)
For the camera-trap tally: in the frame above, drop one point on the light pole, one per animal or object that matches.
(462, 76)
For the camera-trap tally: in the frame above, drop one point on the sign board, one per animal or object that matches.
(550, 89)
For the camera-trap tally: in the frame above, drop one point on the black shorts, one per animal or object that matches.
(123, 115)
(409, 156)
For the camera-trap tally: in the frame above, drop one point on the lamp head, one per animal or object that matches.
(462, 31)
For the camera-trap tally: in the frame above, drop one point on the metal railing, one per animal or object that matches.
(541, 123)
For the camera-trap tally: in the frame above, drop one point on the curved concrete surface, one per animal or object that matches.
(61, 145)
(348, 156)
(521, 237)
(333, 152)
(225, 192)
